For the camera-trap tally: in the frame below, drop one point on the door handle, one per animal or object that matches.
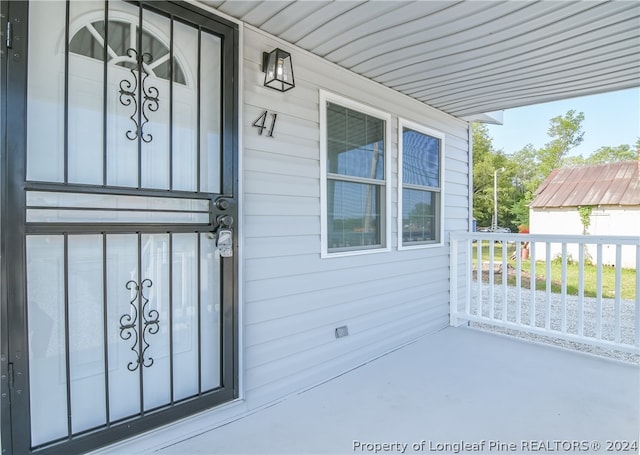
(225, 221)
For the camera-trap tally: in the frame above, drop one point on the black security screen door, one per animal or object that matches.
(119, 220)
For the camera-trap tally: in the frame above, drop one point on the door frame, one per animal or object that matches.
(14, 371)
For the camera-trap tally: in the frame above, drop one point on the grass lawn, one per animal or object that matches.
(628, 276)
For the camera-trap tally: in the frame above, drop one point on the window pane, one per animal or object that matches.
(85, 97)
(86, 331)
(420, 158)
(210, 112)
(119, 36)
(355, 143)
(84, 43)
(353, 215)
(45, 103)
(419, 216)
(47, 355)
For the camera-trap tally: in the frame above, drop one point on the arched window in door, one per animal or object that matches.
(89, 41)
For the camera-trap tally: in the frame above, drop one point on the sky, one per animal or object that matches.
(611, 119)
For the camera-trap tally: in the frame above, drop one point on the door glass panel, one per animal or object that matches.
(209, 312)
(185, 316)
(101, 208)
(86, 332)
(155, 102)
(154, 311)
(47, 358)
(86, 101)
(97, 216)
(113, 201)
(185, 110)
(122, 268)
(210, 134)
(45, 103)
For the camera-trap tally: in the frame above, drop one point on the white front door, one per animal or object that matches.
(120, 225)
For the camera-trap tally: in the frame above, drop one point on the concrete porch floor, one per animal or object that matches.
(459, 384)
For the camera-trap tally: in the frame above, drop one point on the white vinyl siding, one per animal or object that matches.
(293, 299)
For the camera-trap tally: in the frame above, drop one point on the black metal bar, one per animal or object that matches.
(66, 92)
(106, 209)
(125, 228)
(140, 318)
(105, 75)
(5, 389)
(140, 63)
(105, 328)
(171, 317)
(16, 413)
(223, 339)
(118, 191)
(171, 108)
(199, 256)
(198, 102)
(66, 333)
(222, 295)
(230, 65)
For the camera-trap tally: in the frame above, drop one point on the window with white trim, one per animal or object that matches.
(420, 189)
(355, 191)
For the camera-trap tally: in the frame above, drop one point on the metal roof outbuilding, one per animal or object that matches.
(603, 184)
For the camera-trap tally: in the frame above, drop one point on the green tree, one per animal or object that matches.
(534, 165)
(486, 160)
(528, 178)
(566, 133)
(603, 155)
(524, 170)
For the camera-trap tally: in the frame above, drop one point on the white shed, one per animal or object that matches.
(610, 195)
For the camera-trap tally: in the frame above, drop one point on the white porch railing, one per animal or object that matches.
(577, 288)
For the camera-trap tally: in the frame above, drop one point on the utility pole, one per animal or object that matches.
(494, 225)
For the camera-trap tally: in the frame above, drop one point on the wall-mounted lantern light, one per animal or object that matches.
(278, 70)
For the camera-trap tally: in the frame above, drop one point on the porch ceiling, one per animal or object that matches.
(465, 57)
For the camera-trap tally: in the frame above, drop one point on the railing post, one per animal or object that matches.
(581, 247)
(532, 285)
(505, 278)
(637, 327)
(518, 282)
(599, 293)
(453, 281)
(618, 291)
(492, 303)
(563, 291)
(547, 320)
(469, 275)
(479, 248)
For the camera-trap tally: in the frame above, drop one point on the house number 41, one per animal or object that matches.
(261, 121)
